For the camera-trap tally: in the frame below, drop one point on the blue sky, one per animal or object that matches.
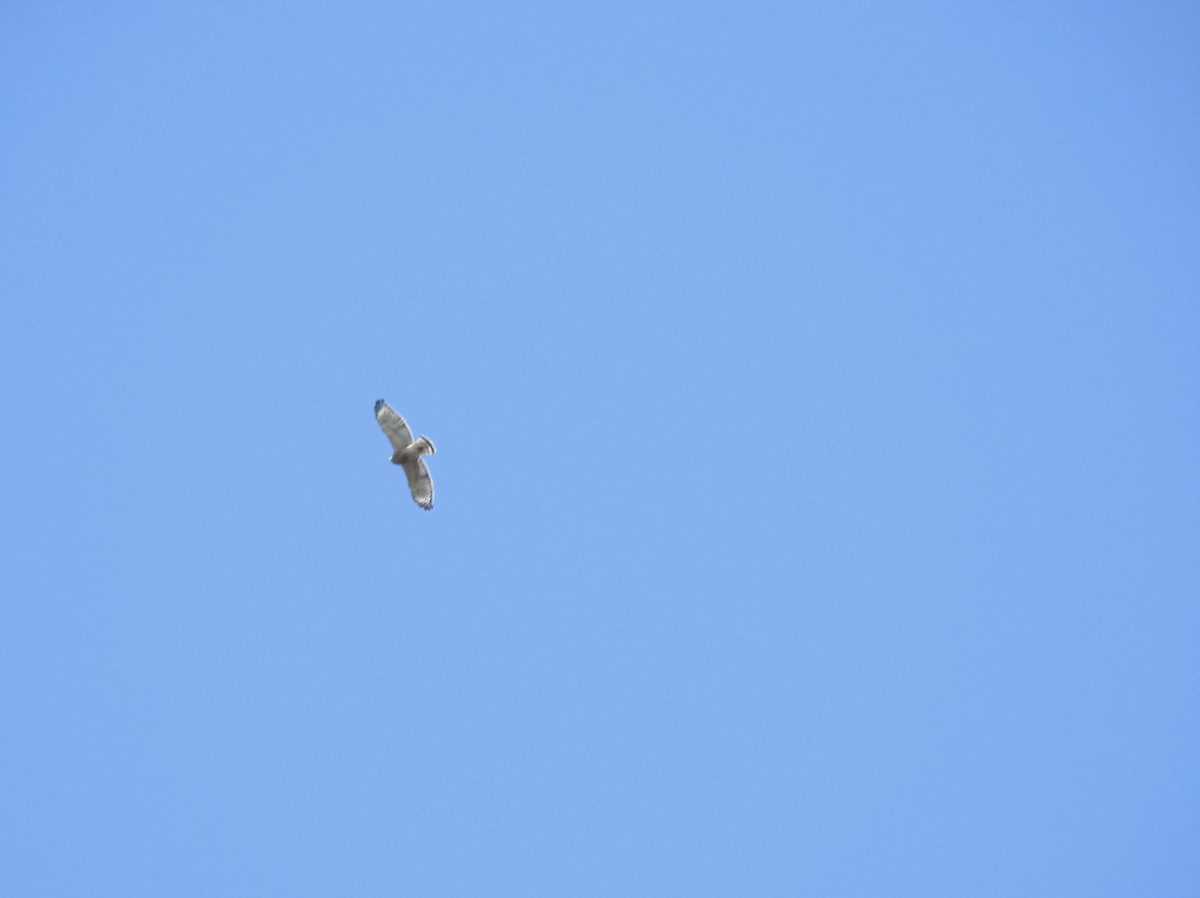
(815, 390)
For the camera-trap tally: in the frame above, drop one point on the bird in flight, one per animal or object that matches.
(407, 453)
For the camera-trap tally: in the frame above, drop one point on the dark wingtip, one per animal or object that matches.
(379, 402)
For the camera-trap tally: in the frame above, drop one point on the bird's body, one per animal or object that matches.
(407, 453)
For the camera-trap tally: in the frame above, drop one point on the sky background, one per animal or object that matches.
(816, 393)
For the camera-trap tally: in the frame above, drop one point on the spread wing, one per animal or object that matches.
(420, 484)
(396, 429)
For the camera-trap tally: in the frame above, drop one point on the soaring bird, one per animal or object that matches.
(407, 453)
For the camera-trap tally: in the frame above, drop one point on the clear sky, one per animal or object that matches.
(815, 388)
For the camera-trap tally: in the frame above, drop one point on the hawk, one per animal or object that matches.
(407, 453)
